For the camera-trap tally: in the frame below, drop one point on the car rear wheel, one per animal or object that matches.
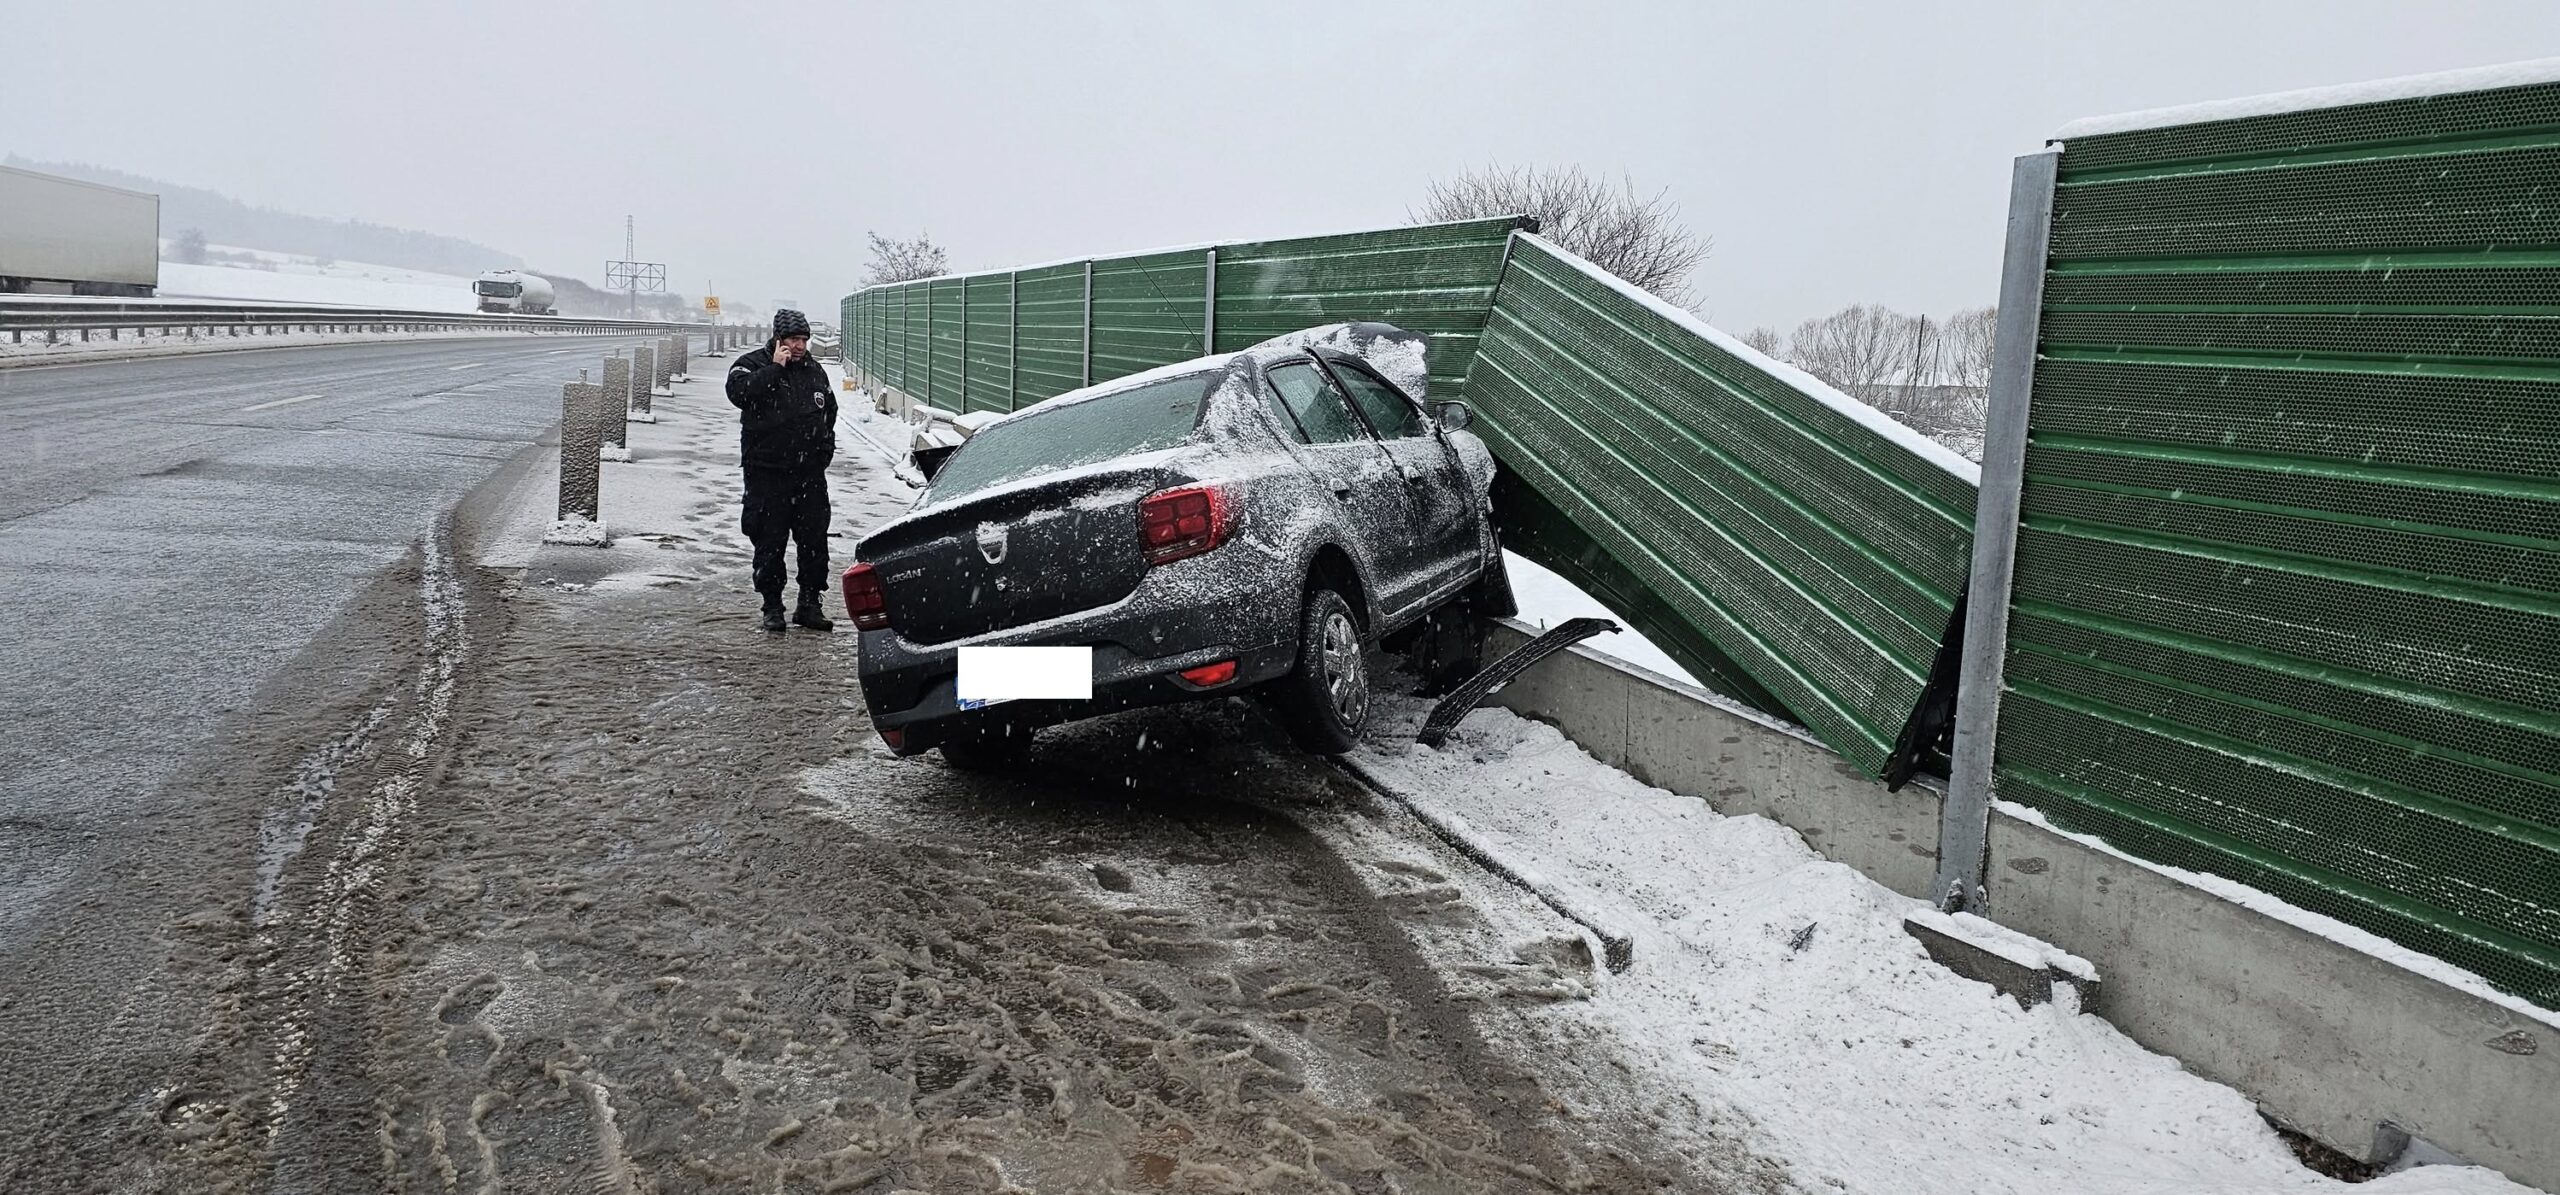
(1324, 701)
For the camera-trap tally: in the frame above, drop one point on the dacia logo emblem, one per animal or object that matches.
(991, 542)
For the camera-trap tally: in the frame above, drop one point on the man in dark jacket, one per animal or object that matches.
(786, 437)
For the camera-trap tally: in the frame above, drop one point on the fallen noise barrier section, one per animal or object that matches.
(595, 421)
(1806, 550)
(1002, 340)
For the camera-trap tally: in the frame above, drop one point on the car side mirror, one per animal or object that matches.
(1453, 415)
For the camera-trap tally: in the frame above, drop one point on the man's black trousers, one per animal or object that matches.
(785, 505)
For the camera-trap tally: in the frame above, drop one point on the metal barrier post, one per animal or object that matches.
(1013, 341)
(1209, 314)
(1964, 820)
(1088, 321)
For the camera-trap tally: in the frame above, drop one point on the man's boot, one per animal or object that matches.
(812, 613)
(773, 613)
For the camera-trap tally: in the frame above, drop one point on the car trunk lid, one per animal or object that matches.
(1017, 555)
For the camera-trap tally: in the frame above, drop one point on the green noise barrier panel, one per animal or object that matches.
(990, 343)
(2287, 596)
(1786, 544)
(1436, 280)
(1008, 339)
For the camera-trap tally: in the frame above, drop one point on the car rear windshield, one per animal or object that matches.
(1142, 419)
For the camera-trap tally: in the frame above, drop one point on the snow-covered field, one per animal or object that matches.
(290, 278)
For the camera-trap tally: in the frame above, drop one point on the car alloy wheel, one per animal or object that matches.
(1343, 682)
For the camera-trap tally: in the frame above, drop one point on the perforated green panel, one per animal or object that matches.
(1050, 312)
(1148, 311)
(990, 343)
(1435, 279)
(942, 387)
(2287, 600)
(1787, 540)
(1153, 309)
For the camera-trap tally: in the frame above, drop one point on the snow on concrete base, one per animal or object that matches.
(1778, 991)
(640, 416)
(576, 532)
(678, 377)
(613, 452)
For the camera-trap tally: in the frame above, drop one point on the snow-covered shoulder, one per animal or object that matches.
(2404, 87)
(1820, 391)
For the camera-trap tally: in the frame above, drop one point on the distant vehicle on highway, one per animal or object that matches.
(63, 236)
(1246, 522)
(514, 292)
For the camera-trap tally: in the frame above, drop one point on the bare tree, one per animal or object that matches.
(1969, 340)
(1766, 340)
(895, 260)
(190, 247)
(1858, 349)
(1637, 237)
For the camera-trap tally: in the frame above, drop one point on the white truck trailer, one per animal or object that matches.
(62, 236)
(515, 292)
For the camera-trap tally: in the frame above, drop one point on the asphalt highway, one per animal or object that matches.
(174, 530)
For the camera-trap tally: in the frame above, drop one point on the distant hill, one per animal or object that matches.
(228, 221)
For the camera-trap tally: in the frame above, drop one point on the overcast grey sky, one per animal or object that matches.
(1836, 153)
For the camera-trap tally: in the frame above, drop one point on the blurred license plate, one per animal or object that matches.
(989, 675)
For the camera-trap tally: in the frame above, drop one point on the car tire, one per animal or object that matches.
(1324, 701)
(1449, 650)
(1003, 749)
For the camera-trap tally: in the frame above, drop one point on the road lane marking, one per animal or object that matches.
(280, 402)
(465, 365)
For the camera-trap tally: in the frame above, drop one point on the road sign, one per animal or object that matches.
(711, 303)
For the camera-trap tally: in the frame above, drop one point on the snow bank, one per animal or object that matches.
(1779, 991)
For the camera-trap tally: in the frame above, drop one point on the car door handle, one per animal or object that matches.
(1340, 487)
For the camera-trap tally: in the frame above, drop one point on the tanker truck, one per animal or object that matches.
(513, 292)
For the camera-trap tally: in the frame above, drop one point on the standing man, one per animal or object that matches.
(786, 438)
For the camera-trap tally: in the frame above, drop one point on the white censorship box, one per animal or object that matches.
(989, 674)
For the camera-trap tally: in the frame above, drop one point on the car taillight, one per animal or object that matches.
(864, 601)
(1210, 676)
(1184, 522)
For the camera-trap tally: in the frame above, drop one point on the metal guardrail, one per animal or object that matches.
(56, 318)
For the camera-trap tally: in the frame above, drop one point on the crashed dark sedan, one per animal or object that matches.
(1252, 522)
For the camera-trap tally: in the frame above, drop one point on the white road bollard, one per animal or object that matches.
(665, 370)
(639, 407)
(582, 418)
(617, 398)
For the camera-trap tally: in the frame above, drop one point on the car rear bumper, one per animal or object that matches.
(1121, 680)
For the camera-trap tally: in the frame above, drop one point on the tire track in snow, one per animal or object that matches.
(321, 943)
